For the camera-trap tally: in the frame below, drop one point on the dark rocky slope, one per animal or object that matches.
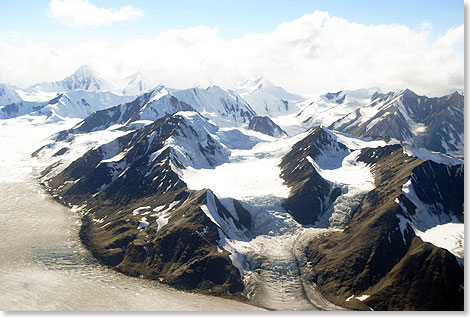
(374, 256)
(266, 125)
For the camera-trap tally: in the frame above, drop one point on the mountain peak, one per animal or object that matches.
(137, 84)
(85, 77)
(84, 71)
(251, 85)
(136, 75)
(407, 92)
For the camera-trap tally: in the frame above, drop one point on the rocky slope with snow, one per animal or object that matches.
(266, 125)
(331, 107)
(146, 108)
(140, 217)
(388, 266)
(310, 194)
(436, 124)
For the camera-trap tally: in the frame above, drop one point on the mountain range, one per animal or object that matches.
(344, 201)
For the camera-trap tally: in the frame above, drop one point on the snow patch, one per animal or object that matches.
(449, 236)
(140, 209)
(361, 297)
(143, 223)
(426, 155)
(403, 224)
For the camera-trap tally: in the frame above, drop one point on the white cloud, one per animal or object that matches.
(452, 37)
(313, 54)
(81, 13)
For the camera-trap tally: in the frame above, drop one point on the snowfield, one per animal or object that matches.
(249, 173)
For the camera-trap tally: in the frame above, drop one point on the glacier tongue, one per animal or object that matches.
(270, 266)
(353, 177)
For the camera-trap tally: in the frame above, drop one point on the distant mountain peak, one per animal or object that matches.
(137, 84)
(251, 85)
(84, 78)
(84, 71)
(137, 74)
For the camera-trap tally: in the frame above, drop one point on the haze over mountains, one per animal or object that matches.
(352, 199)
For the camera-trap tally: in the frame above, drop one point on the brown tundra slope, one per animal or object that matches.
(378, 254)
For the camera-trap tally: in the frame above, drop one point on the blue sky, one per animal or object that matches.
(232, 18)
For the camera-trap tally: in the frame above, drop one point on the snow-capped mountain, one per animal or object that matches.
(8, 95)
(311, 195)
(225, 108)
(433, 123)
(331, 107)
(136, 84)
(80, 104)
(146, 108)
(267, 99)
(73, 104)
(83, 78)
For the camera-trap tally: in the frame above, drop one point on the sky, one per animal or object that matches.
(306, 46)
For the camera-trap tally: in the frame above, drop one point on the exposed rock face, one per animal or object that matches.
(266, 126)
(139, 215)
(310, 194)
(378, 255)
(19, 108)
(436, 124)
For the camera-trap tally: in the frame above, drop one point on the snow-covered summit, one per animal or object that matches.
(433, 123)
(330, 107)
(85, 77)
(226, 108)
(8, 95)
(266, 99)
(251, 85)
(137, 83)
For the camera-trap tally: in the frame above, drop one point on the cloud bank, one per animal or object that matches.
(81, 13)
(310, 55)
